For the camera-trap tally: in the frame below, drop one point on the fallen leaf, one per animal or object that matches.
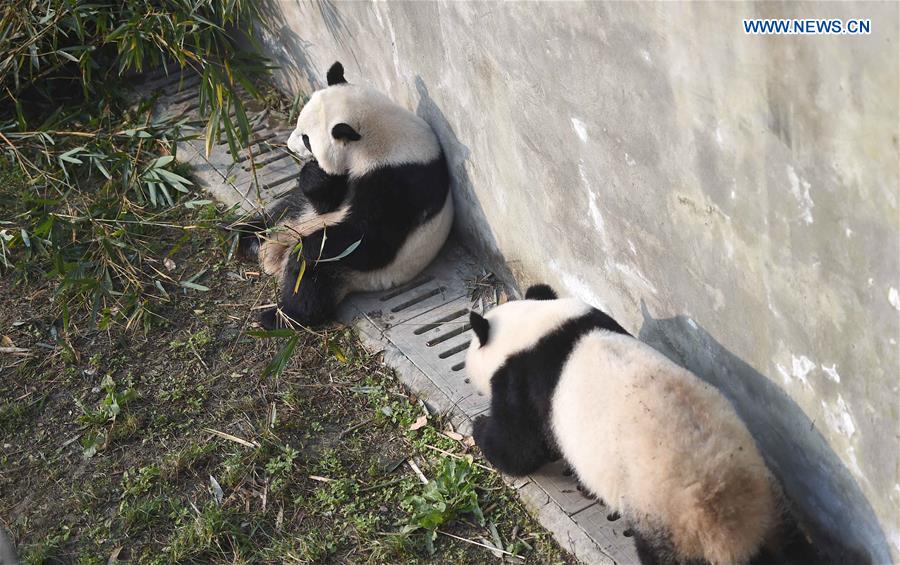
(454, 435)
(469, 441)
(419, 423)
(114, 556)
(169, 263)
(7, 341)
(217, 490)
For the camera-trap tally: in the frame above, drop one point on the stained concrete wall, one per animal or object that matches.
(732, 198)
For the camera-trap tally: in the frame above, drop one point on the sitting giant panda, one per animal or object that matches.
(645, 435)
(369, 212)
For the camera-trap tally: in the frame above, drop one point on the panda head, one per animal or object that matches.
(515, 327)
(351, 129)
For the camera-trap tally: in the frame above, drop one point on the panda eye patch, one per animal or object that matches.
(306, 142)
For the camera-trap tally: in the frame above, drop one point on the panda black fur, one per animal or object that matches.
(377, 177)
(645, 435)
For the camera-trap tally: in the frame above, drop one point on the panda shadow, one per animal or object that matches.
(822, 495)
(470, 224)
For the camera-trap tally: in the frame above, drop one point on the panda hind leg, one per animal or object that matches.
(248, 234)
(569, 471)
(313, 304)
(656, 548)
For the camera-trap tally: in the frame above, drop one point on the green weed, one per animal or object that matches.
(450, 494)
(279, 468)
(194, 340)
(136, 482)
(111, 405)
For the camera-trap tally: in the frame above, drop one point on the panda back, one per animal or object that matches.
(393, 136)
(653, 440)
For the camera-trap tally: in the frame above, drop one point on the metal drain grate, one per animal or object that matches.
(423, 327)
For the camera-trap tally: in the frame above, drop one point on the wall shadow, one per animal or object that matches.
(292, 50)
(823, 495)
(470, 223)
(293, 59)
(336, 26)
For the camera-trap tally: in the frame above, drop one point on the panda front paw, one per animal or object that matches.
(479, 430)
(311, 177)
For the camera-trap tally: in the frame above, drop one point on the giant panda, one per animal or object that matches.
(370, 209)
(648, 437)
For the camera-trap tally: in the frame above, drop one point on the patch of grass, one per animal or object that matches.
(136, 482)
(203, 536)
(184, 389)
(195, 340)
(19, 412)
(46, 549)
(315, 470)
(185, 458)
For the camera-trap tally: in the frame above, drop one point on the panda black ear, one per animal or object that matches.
(344, 131)
(480, 326)
(336, 74)
(540, 292)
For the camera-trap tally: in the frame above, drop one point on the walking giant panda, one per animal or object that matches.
(645, 435)
(370, 210)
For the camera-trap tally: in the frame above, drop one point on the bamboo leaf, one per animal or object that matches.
(278, 363)
(173, 178)
(194, 286)
(99, 164)
(300, 275)
(350, 249)
(68, 56)
(162, 161)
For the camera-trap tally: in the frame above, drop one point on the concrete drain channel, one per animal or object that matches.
(421, 328)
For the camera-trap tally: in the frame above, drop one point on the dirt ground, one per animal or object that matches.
(185, 444)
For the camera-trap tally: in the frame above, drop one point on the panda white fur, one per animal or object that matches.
(645, 435)
(377, 177)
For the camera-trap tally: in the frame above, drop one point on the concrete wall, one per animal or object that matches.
(733, 198)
